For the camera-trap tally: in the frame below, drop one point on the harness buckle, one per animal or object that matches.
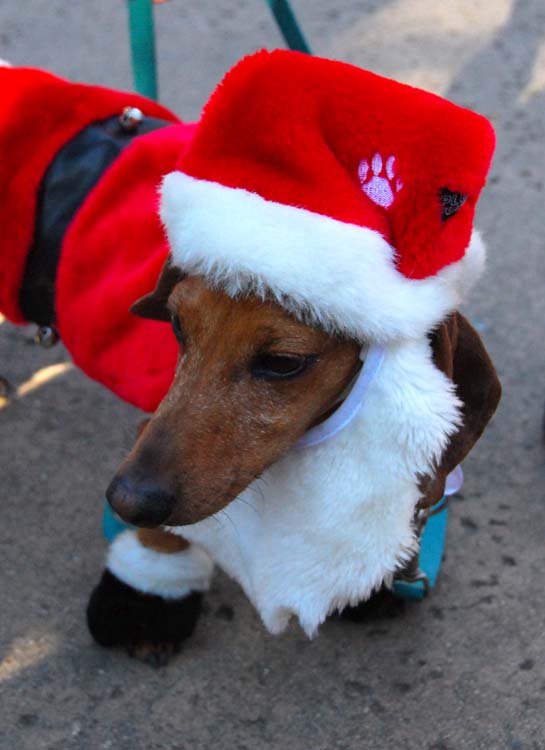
(406, 581)
(413, 573)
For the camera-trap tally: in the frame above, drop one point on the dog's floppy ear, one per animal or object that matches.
(154, 304)
(459, 352)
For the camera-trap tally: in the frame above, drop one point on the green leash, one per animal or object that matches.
(287, 23)
(142, 39)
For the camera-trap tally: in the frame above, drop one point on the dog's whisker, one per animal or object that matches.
(228, 517)
(262, 478)
(259, 489)
(246, 502)
(216, 519)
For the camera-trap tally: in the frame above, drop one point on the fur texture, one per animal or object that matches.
(360, 489)
(243, 243)
(34, 125)
(324, 185)
(149, 626)
(112, 255)
(171, 576)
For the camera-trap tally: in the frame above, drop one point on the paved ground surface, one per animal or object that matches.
(463, 670)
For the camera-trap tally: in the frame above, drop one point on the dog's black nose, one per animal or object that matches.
(140, 502)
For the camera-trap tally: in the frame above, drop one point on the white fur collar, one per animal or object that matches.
(327, 525)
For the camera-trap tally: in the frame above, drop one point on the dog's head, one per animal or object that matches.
(251, 379)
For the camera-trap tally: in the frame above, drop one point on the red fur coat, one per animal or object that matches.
(113, 247)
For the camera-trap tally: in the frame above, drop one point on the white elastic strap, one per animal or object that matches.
(372, 361)
(455, 481)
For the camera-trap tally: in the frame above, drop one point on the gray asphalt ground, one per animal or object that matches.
(465, 669)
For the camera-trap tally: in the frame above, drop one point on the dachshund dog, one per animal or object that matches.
(237, 370)
(249, 375)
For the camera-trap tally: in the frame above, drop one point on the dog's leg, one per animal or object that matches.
(149, 597)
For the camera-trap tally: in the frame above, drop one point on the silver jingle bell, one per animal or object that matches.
(47, 336)
(130, 119)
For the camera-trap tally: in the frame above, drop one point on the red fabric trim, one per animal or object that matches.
(39, 113)
(112, 255)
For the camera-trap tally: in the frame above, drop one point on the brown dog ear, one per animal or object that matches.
(459, 352)
(154, 304)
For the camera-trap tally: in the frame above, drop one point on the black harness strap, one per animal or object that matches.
(75, 170)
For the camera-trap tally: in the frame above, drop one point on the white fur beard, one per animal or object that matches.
(326, 526)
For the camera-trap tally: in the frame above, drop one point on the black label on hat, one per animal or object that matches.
(451, 202)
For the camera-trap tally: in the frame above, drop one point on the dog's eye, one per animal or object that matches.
(177, 328)
(451, 202)
(279, 366)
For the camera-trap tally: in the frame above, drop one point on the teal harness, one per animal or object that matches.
(418, 582)
(420, 576)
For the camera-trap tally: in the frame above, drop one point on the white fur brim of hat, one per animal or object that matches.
(339, 276)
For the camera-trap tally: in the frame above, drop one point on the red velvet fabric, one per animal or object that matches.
(39, 113)
(112, 255)
(114, 248)
(295, 129)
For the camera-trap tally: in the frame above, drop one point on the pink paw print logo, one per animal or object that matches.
(379, 181)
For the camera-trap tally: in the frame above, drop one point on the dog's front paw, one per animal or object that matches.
(150, 627)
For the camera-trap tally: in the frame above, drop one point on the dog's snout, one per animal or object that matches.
(140, 502)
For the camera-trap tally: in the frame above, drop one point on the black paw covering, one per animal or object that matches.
(383, 605)
(118, 615)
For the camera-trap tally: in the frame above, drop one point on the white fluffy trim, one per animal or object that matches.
(327, 525)
(171, 576)
(339, 276)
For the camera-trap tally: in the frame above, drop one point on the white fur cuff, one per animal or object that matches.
(340, 276)
(171, 576)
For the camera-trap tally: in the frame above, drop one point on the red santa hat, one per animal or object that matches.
(345, 196)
